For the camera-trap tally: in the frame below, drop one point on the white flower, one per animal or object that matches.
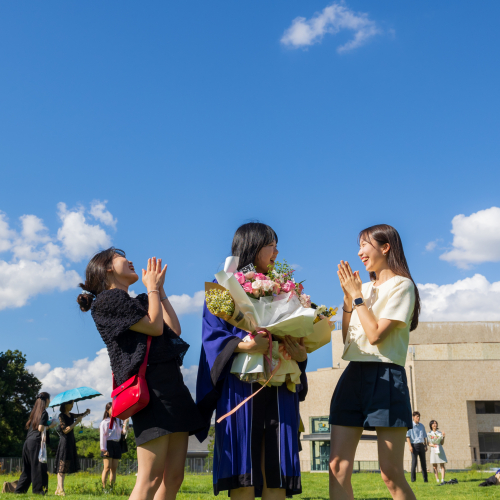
(257, 285)
(267, 285)
(320, 310)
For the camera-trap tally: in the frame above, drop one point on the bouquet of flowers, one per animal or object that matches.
(250, 300)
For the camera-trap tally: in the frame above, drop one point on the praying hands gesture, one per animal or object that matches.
(349, 281)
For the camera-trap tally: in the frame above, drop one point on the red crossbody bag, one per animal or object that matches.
(133, 395)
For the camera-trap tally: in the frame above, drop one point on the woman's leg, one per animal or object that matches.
(391, 447)
(269, 493)
(105, 470)
(343, 444)
(151, 458)
(443, 472)
(173, 472)
(243, 494)
(60, 483)
(436, 473)
(113, 469)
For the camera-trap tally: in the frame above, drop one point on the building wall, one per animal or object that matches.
(449, 366)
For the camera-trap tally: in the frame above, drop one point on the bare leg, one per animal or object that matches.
(151, 457)
(173, 473)
(60, 483)
(443, 472)
(269, 493)
(343, 444)
(243, 493)
(105, 470)
(436, 471)
(391, 445)
(114, 467)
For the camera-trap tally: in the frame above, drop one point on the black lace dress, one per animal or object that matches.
(171, 407)
(66, 461)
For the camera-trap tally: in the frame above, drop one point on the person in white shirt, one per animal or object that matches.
(372, 393)
(111, 448)
(438, 456)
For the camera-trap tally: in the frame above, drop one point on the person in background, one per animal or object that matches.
(66, 461)
(37, 425)
(438, 456)
(417, 442)
(111, 449)
(492, 480)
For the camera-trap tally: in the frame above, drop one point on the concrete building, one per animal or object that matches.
(453, 372)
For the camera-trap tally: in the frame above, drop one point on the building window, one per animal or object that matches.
(483, 407)
(320, 455)
(489, 442)
(320, 425)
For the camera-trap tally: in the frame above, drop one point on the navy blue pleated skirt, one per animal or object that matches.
(371, 394)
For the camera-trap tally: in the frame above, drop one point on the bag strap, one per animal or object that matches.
(142, 369)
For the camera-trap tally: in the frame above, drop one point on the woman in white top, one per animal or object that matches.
(372, 393)
(438, 456)
(111, 450)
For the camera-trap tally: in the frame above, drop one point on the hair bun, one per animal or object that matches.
(85, 301)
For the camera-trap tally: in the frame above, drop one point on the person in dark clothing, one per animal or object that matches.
(417, 441)
(492, 480)
(125, 323)
(66, 461)
(35, 472)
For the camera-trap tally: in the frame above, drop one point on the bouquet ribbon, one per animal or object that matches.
(269, 360)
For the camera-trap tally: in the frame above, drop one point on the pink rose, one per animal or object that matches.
(260, 276)
(247, 287)
(305, 300)
(288, 286)
(277, 288)
(250, 275)
(240, 277)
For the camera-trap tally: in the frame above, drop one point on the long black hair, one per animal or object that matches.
(38, 409)
(248, 241)
(96, 276)
(107, 411)
(396, 260)
(433, 422)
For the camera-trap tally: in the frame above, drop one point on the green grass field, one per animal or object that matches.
(367, 486)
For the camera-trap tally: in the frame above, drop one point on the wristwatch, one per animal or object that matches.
(359, 302)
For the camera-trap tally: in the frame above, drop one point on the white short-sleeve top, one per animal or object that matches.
(394, 300)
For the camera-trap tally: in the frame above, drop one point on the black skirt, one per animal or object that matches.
(114, 450)
(171, 407)
(371, 394)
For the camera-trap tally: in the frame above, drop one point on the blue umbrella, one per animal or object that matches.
(78, 394)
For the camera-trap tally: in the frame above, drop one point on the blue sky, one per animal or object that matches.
(190, 118)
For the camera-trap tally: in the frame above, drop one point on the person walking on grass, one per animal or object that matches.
(417, 442)
(34, 472)
(124, 322)
(111, 448)
(372, 393)
(438, 456)
(66, 461)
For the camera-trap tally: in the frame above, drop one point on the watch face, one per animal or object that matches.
(358, 301)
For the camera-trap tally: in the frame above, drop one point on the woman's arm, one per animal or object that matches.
(153, 278)
(169, 315)
(69, 428)
(347, 311)
(375, 331)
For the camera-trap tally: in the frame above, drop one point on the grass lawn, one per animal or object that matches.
(367, 486)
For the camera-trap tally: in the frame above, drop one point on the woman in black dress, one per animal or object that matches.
(161, 428)
(38, 424)
(66, 461)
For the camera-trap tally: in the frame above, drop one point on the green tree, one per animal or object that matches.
(18, 391)
(211, 443)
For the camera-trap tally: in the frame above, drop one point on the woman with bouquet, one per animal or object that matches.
(372, 393)
(438, 456)
(256, 448)
(125, 323)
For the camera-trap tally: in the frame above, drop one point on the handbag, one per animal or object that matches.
(42, 455)
(133, 395)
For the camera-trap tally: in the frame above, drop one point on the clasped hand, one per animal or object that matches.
(350, 282)
(154, 276)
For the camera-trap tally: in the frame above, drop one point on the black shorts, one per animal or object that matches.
(114, 450)
(371, 394)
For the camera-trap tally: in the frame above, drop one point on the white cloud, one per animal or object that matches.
(99, 212)
(476, 238)
(79, 239)
(184, 304)
(470, 299)
(297, 267)
(331, 20)
(37, 263)
(95, 373)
